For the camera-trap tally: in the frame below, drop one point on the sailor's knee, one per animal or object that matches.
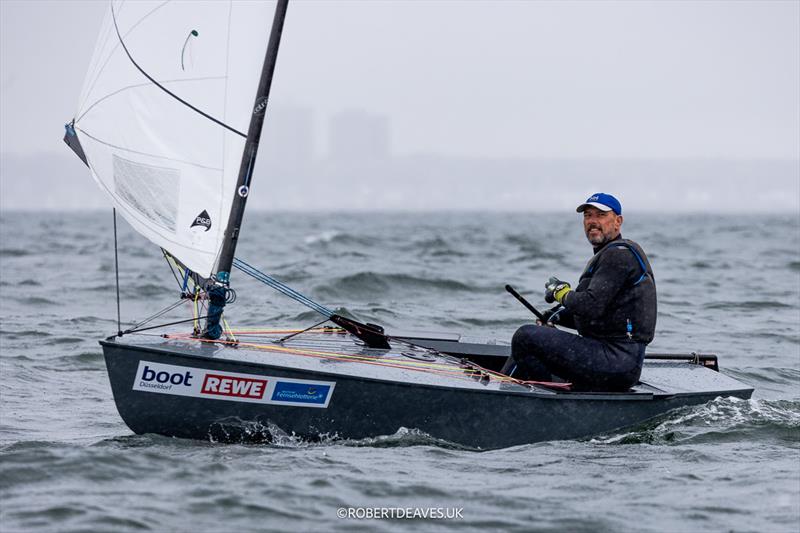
(524, 334)
(523, 340)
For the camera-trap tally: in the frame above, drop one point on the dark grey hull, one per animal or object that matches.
(368, 402)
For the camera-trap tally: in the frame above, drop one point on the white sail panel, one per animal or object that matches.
(170, 167)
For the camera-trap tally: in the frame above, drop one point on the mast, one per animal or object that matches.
(251, 146)
(371, 334)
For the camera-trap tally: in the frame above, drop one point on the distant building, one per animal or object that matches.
(288, 137)
(355, 134)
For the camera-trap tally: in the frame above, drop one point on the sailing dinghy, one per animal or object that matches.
(169, 122)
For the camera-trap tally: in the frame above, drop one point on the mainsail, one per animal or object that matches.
(164, 115)
(169, 123)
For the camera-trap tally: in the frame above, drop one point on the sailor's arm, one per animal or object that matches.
(612, 272)
(561, 317)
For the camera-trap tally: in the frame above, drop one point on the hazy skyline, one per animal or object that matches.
(490, 81)
(522, 79)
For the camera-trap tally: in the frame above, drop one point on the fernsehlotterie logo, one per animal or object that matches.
(300, 392)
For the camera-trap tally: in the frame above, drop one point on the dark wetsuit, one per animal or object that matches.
(614, 310)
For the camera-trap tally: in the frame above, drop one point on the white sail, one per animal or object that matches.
(170, 161)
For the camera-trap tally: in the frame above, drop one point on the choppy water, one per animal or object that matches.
(729, 285)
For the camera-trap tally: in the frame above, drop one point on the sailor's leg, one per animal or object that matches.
(523, 363)
(538, 353)
(589, 363)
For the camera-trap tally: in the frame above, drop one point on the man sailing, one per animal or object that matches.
(613, 308)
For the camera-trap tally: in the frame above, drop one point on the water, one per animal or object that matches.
(728, 285)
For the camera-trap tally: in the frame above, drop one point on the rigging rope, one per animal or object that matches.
(280, 287)
(127, 331)
(156, 315)
(442, 368)
(182, 286)
(196, 312)
(456, 368)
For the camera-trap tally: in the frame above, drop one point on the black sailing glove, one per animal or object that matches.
(551, 315)
(555, 290)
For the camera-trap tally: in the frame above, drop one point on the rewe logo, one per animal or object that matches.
(230, 386)
(164, 378)
(203, 219)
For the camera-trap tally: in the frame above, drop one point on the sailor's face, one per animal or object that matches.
(600, 226)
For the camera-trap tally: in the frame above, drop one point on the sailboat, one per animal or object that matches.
(168, 123)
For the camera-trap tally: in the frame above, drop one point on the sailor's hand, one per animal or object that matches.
(555, 290)
(548, 316)
(548, 319)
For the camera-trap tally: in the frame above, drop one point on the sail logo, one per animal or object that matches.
(261, 106)
(222, 385)
(305, 393)
(202, 220)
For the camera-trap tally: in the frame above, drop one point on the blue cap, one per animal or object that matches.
(603, 202)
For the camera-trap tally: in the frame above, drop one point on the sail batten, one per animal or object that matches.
(162, 87)
(162, 131)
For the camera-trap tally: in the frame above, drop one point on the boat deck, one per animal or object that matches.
(333, 353)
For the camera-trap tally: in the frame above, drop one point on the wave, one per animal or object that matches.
(720, 420)
(373, 284)
(403, 438)
(90, 320)
(235, 431)
(145, 290)
(472, 322)
(749, 305)
(770, 382)
(706, 264)
(434, 247)
(529, 246)
(36, 301)
(12, 335)
(63, 339)
(15, 252)
(328, 237)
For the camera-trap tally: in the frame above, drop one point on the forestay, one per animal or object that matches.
(164, 113)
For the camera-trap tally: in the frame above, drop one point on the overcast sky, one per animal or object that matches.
(607, 79)
(496, 79)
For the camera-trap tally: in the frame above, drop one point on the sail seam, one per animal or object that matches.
(157, 84)
(145, 153)
(97, 74)
(141, 85)
(95, 68)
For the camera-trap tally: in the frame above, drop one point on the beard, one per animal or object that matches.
(598, 237)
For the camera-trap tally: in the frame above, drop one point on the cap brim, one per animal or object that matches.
(601, 207)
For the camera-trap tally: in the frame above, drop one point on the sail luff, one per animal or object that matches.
(251, 145)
